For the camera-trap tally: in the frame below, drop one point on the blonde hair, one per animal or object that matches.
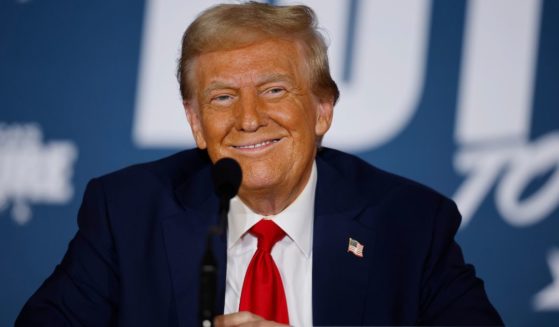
(230, 26)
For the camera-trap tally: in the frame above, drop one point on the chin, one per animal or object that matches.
(259, 181)
(256, 185)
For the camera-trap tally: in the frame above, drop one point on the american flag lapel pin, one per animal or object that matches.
(355, 247)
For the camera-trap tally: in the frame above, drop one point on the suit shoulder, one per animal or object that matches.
(167, 172)
(378, 185)
(392, 200)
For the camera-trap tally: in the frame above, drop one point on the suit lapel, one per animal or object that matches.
(185, 235)
(340, 278)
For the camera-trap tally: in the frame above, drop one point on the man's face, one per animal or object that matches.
(255, 104)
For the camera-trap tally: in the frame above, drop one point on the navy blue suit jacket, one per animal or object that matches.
(135, 259)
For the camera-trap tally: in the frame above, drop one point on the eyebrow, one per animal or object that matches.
(216, 86)
(271, 78)
(276, 77)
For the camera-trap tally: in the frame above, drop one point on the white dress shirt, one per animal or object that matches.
(293, 254)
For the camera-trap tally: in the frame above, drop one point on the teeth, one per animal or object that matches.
(254, 146)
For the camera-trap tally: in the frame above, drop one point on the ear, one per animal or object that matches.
(324, 112)
(193, 116)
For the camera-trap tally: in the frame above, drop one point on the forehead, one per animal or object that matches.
(276, 57)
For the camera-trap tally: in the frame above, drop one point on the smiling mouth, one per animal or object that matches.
(256, 145)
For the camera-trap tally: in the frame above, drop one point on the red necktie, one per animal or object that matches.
(263, 292)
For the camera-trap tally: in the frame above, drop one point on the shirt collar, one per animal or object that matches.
(296, 220)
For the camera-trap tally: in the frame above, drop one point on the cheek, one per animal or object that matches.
(215, 123)
(305, 128)
(214, 128)
(297, 117)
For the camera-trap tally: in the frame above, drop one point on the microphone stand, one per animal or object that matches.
(208, 269)
(226, 177)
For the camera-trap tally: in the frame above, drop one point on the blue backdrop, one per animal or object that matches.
(479, 121)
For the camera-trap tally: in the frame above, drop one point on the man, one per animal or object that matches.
(352, 245)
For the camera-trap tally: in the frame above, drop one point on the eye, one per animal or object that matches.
(275, 91)
(222, 99)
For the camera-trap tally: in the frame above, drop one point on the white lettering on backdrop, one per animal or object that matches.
(386, 48)
(32, 171)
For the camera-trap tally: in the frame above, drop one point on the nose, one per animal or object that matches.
(250, 116)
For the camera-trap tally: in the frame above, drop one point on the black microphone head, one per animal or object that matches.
(227, 176)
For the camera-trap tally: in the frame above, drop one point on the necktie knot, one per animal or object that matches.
(268, 234)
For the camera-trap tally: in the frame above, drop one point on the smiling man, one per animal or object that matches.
(315, 236)
(255, 104)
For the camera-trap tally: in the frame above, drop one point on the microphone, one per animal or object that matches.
(226, 177)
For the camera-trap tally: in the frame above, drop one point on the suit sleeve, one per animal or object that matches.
(83, 289)
(451, 292)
